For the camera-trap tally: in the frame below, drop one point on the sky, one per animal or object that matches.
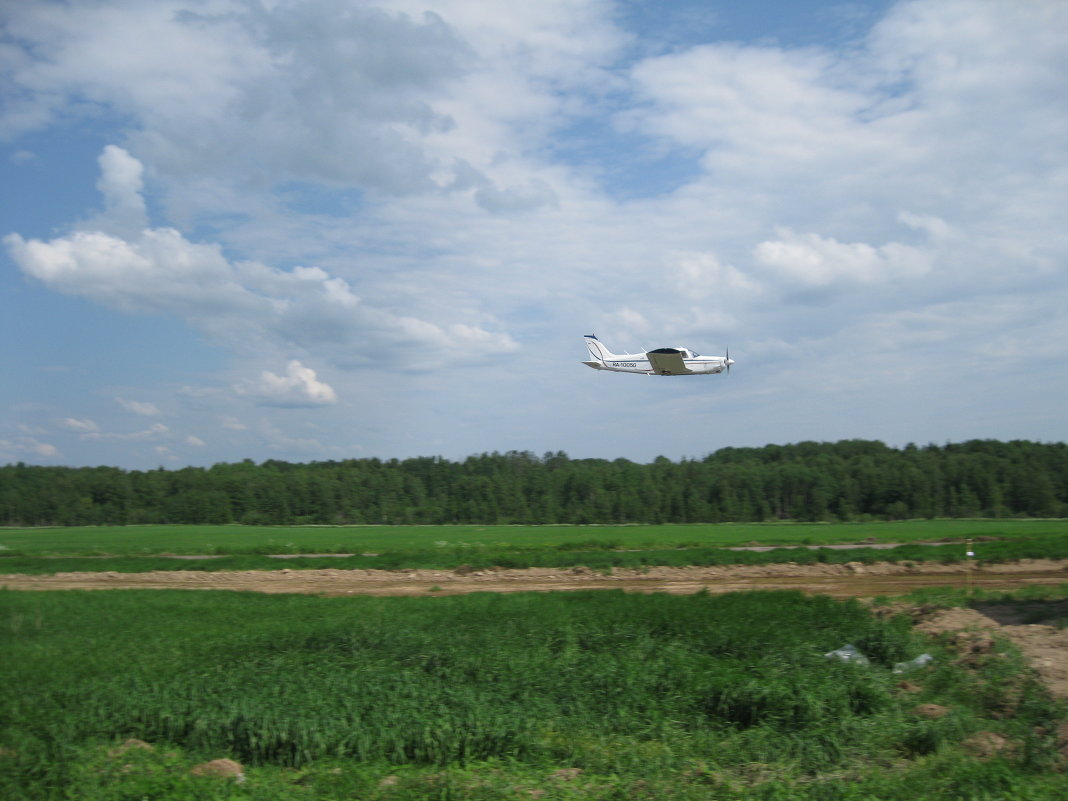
(335, 229)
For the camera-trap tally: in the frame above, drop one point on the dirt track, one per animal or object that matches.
(849, 580)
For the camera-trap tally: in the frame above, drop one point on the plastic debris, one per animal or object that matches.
(848, 653)
(912, 664)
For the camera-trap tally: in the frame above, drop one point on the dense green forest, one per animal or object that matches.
(808, 481)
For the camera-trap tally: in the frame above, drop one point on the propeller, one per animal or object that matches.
(728, 362)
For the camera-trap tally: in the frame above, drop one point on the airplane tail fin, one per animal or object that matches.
(597, 350)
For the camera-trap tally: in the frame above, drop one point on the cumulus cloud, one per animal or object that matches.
(121, 185)
(196, 442)
(819, 261)
(242, 304)
(300, 386)
(157, 272)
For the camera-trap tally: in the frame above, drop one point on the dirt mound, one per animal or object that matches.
(1045, 645)
(221, 768)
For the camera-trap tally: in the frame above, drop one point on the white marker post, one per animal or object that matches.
(971, 555)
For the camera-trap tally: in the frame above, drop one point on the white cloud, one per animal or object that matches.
(27, 447)
(222, 85)
(96, 47)
(704, 275)
(241, 304)
(389, 98)
(196, 442)
(732, 99)
(42, 448)
(159, 272)
(821, 261)
(535, 194)
(936, 228)
(121, 185)
(138, 407)
(368, 187)
(299, 386)
(80, 426)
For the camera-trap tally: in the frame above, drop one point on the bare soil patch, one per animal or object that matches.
(844, 581)
(1044, 642)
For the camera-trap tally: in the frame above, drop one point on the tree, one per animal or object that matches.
(805, 481)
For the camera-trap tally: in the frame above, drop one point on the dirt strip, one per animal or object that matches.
(849, 580)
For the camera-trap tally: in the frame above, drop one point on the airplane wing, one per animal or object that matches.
(667, 361)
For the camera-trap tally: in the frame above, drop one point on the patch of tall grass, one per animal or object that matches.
(476, 696)
(960, 596)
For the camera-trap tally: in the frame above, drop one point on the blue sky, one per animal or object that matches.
(333, 229)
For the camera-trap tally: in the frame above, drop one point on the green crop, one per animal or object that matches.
(142, 548)
(452, 694)
(250, 540)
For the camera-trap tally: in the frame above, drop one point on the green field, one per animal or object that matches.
(144, 548)
(588, 695)
(233, 539)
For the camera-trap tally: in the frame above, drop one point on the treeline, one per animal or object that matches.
(808, 481)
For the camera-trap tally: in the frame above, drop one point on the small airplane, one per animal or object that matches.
(662, 361)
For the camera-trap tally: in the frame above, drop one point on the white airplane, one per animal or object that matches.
(662, 361)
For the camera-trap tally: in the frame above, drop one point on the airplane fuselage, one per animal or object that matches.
(627, 363)
(662, 361)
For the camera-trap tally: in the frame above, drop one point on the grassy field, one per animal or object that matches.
(589, 695)
(140, 540)
(142, 548)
